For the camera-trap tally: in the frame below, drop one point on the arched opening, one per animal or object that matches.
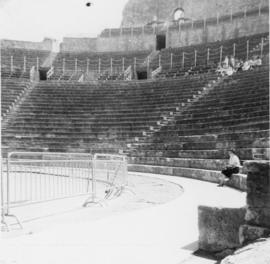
(178, 14)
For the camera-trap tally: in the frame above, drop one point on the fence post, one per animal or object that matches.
(204, 23)
(99, 65)
(111, 65)
(195, 58)
(2, 197)
(247, 49)
(245, 12)
(64, 65)
(231, 14)
(135, 63)
(110, 32)
(260, 7)
(234, 49)
(208, 56)
(37, 63)
(221, 54)
(11, 63)
(93, 182)
(183, 60)
(76, 65)
(217, 18)
(171, 60)
(143, 31)
(121, 31)
(123, 64)
(262, 44)
(148, 64)
(87, 65)
(159, 60)
(192, 23)
(24, 64)
(8, 185)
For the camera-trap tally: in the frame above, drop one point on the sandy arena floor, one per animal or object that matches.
(157, 224)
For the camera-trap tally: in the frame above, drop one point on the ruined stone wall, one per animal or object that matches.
(217, 32)
(238, 27)
(46, 44)
(140, 12)
(126, 43)
(79, 45)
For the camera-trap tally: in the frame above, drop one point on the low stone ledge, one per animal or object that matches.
(219, 227)
(238, 181)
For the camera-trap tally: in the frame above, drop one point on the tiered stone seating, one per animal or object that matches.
(214, 55)
(102, 116)
(94, 59)
(18, 61)
(11, 90)
(234, 115)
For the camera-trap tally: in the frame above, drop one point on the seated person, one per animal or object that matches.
(258, 61)
(239, 65)
(232, 62)
(246, 66)
(234, 166)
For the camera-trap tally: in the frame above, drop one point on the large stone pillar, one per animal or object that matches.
(257, 216)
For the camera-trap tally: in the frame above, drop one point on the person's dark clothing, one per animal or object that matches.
(229, 171)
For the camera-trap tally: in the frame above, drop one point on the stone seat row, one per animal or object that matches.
(80, 123)
(92, 135)
(241, 135)
(206, 145)
(244, 153)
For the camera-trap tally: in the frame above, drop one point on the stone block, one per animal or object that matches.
(219, 227)
(249, 233)
(258, 193)
(258, 216)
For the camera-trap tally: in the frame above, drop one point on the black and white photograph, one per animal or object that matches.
(134, 132)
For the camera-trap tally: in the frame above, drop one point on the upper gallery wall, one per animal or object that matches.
(141, 12)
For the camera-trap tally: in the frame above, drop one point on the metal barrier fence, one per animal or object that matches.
(32, 177)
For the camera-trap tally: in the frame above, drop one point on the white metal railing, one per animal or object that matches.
(81, 79)
(156, 72)
(50, 72)
(32, 178)
(128, 73)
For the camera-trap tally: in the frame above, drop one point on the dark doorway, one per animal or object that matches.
(142, 75)
(43, 73)
(160, 42)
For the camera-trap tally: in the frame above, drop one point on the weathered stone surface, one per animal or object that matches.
(249, 233)
(258, 217)
(256, 253)
(219, 227)
(258, 196)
